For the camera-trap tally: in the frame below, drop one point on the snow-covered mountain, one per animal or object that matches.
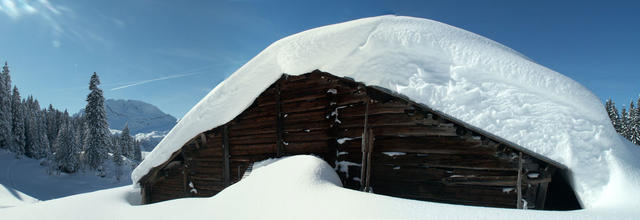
(147, 123)
(142, 117)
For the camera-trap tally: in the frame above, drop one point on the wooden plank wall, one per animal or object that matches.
(414, 153)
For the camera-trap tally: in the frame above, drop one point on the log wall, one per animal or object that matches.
(376, 141)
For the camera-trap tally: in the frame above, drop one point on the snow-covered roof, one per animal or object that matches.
(462, 74)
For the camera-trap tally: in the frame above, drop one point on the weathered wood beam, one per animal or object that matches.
(364, 149)
(225, 157)
(185, 185)
(279, 121)
(519, 182)
(544, 186)
(144, 192)
(203, 139)
(370, 140)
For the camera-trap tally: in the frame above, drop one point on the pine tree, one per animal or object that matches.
(97, 133)
(66, 156)
(45, 149)
(633, 126)
(624, 123)
(30, 128)
(137, 154)
(6, 138)
(127, 142)
(37, 143)
(53, 123)
(118, 149)
(17, 111)
(614, 115)
(637, 122)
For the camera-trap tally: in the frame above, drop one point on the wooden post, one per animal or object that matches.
(144, 194)
(519, 182)
(370, 139)
(279, 122)
(203, 139)
(225, 147)
(365, 150)
(543, 187)
(185, 185)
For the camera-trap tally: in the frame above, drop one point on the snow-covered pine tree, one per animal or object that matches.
(66, 156)
(79, 129)
(6, 138)
(624, 123)
(37, 144)
(633, 126)
(97, 133)
(43, 141)
(614, 115)
(17, 111)
(637, 122)
(118, 149)
(137, 154)
(53, 117)
(30, 128)
(127, 142)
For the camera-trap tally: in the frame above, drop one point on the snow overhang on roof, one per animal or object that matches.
(466, 76)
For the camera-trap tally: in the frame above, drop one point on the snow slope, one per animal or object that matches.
(29, 176)
(10, 197)
(297, 187)
(451, 70)
(142, 117)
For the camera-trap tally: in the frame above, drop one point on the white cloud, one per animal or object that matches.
(119, 23)
(10, 9)
(49, 7)
(17, 8)
(29, 9)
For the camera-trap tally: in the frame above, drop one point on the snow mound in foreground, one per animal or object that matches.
(451, 70)
(296, 187)
(10, 197)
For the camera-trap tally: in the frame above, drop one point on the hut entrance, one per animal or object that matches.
(560, 194)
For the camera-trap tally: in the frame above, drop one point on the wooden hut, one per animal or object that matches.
(377, 141)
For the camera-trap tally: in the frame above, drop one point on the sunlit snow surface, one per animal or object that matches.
(451, 70)
(10, 197)
(296, 187)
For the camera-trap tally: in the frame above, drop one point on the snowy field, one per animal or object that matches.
(297, 187)
(10, 197)
(462, 74)
(28, 176)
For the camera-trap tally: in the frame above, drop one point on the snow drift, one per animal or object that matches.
(451, 70)
(10, 197)
(296, 187)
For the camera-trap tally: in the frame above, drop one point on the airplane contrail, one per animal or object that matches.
(159, 79)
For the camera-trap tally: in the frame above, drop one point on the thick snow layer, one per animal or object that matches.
(297, 187)
(10, 197)
(31, 177)
(451, 70)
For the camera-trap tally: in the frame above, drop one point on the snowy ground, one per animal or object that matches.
(10, 197)
(297, 187)
(30, 177)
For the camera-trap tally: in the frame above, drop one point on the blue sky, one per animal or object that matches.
(172, 53)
